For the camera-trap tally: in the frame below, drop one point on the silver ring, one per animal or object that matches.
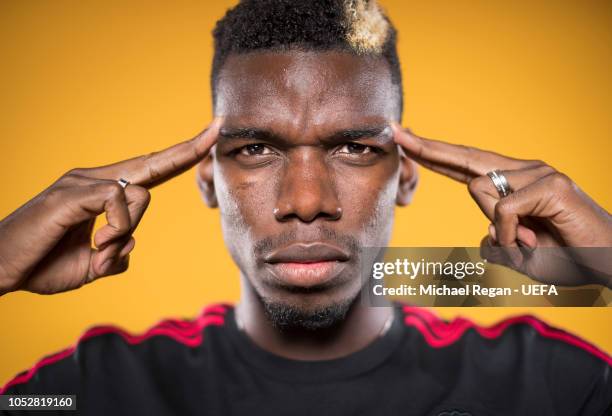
(500, 182)
(123, 182)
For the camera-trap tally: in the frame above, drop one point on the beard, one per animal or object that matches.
(287, 317)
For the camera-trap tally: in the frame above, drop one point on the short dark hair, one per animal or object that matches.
(357, 26)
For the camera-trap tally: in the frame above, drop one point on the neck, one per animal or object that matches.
(361, 326)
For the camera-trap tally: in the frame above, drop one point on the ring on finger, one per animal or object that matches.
(500, 182)
(123, 182)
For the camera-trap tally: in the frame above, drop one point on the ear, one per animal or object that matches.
(206, 182)
(408, 179)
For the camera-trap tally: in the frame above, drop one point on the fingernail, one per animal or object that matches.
(205, 140)
(128, 247)
(525, 246)
(492, 232)
(387, 133)
(217, 122)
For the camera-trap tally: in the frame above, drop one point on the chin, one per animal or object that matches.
(306, 312)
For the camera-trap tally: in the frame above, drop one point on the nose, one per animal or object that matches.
(307, 190)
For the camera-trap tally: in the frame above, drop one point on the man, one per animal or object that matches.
(305, 161)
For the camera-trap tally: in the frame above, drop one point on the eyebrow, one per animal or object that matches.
(247, 133)
(379, 131)
(360, 133)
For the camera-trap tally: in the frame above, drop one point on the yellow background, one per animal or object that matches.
(88, 83)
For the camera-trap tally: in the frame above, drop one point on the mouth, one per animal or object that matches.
(307, 265)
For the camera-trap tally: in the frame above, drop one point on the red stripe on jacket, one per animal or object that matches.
(439, 334)
(187, 332)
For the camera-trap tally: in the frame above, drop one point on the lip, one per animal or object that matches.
(307, 253)
(307, 265)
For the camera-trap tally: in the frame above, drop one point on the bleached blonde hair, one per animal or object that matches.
(367, 27)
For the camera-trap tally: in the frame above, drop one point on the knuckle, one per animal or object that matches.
(66, 179)
(476, 185)
(113, 189)
(560, 181)
(139, 195)
(123, 227)
(145, 195)
(53, 196)
(149, 161)
(73, 177)
(75, 172)
(546, 169)
(503, 208)
(153, 172)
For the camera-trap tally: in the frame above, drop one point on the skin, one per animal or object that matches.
(294, 186)
(305, 183)
(46, 244)
(546, 210)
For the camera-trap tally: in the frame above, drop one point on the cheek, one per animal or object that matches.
(368, 202)
(245, 200)
(379, 226)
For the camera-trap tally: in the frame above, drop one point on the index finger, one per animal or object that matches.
(155, 168)
(456, 161)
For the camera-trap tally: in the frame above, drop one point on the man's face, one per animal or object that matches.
(305, 172)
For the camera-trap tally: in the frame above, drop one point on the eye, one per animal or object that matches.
(356, 149)
(255, 150)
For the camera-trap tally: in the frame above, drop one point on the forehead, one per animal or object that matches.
(306, 88)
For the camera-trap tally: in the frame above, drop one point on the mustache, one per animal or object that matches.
(346, 241)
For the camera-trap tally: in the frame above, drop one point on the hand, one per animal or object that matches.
(46, 245)
(545, 209)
